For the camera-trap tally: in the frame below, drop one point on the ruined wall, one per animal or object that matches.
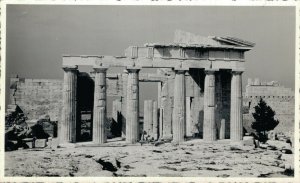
(37, 97)
(279, 98)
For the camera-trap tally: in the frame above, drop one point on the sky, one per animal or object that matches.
(38, 35)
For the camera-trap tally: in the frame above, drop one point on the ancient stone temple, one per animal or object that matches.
(199, 90)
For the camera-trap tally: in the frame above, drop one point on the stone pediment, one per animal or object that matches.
(187, 39)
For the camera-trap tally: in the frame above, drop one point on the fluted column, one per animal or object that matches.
(179, 107)
(69, 113)
(209, 124)
(132, 108)
(124, 100)
(236, 123)
(99, 115)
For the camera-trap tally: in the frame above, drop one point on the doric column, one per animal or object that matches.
(124, 106)
(155, 121)
(132, 108)
(69, 113)
(209, 124)
(99, 115)
(236, 123)
(179, 107)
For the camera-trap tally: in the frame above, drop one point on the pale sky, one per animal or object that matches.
(38, 36)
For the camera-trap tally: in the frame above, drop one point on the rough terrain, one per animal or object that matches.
(194, 158)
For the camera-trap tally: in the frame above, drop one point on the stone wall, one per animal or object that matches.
(279, 98)
(37, 97)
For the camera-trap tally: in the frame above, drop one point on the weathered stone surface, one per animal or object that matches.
(209, 125)
(69, 115)
(166, 101)
(99, 116)
(132, 105)
(179, 118)
(148, 117)
(37, 97)
(155, 121)
(278, 97)
(236, 123)
(222, 129)
(124, 100)
(189, 124)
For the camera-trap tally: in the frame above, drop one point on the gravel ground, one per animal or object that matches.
(193, 158)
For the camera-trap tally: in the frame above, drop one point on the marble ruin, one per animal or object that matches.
(199, 82)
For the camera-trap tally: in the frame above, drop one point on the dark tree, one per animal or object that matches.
(264, 120)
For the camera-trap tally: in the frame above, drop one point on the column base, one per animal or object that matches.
(168, 137)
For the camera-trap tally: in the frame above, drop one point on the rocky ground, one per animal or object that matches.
(193, 158)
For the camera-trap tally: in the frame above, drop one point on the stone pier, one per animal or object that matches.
(148, 117)
(69, 114)
(209, 126)
(155, 121)
(222, 129)
(117, 110)
(132, 104)
(236, 124)
(179, 110)
(99, 116)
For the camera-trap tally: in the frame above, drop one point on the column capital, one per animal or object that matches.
(236, 72)
(180, 70)
(133, 69)
(100, 69)
(69, 67)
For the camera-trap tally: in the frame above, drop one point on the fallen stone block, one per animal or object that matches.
(41, 143)
(279, 144)
(29, 142)
(248, 141)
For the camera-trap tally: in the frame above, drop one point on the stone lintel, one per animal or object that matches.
(181, 69)
(210, 71)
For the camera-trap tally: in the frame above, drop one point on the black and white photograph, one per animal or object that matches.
(106, 90)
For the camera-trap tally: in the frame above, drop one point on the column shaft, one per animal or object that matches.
(124, 99)
(99, 115)
(236, 123)
(179, 107)
(132, 112)
(209, 125)
(69, 114)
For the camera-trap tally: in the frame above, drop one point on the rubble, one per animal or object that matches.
(23, 133)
